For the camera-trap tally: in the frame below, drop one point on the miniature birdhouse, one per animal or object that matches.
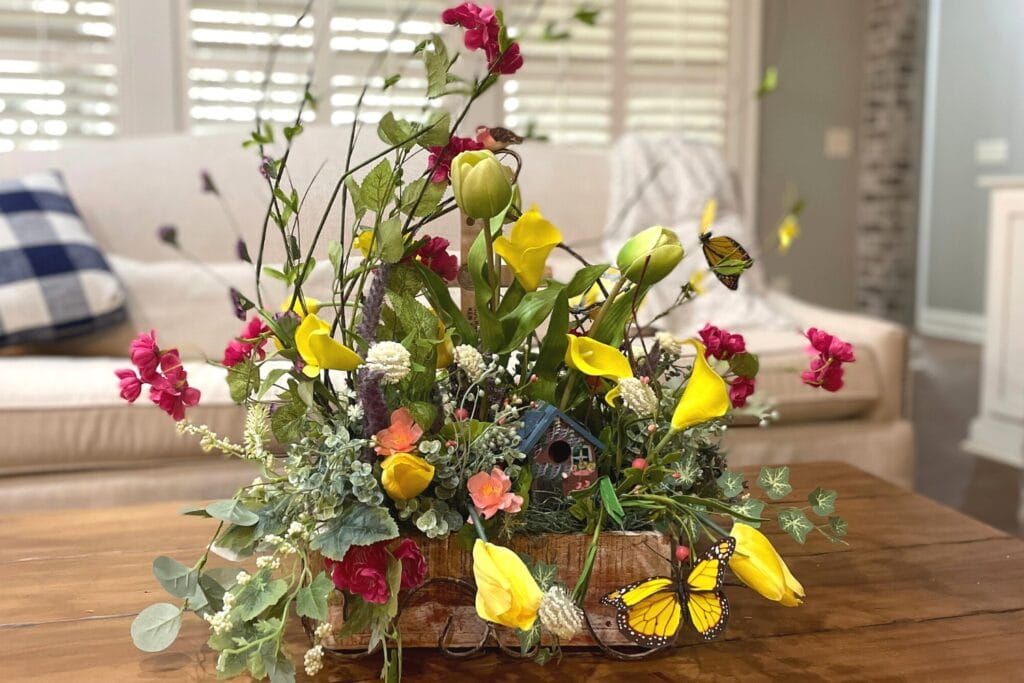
(561, 452)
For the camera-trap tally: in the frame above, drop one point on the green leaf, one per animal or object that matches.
(291, 131)
(394, 586)
(378, 187)
(531, 312)
(236, 542)
(552, 348)
(232, 511)
(436, 63)
(423, 412)
(421, 206)
(585, 278)
(311, 600)
(838, 525)
(823, 501)
(390, 81)
(775, 482)
(795, 523)
(241, 379)
(358, 524)
(194, 511)
(281, 669)
(731, 483)
(394, 131)
(441, 301)
(751, 507)
(610, 500)
(288, 420)
(359, 614)
(275, 273)
(358, 205)
(744, 364)
(156, 627)
(587, 14)
(258, 595)
(270, 380)
(689, 471)
(390, 242)
(612, 328)
(769, 81)
(180, 581)
(490, 326)
(438, 122)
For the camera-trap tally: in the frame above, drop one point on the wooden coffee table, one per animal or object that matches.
(922, 592)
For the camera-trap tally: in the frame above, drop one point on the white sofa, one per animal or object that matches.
(69, 441)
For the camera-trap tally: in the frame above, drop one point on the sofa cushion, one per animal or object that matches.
(54, 282)
(65, 415)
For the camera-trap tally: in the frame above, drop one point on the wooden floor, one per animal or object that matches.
(921, 593)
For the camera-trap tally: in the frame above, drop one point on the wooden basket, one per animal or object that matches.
(442, 613)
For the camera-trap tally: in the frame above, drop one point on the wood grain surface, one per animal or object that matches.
(920, 593)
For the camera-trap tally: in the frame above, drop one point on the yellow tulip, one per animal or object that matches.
(596, 359)
(532, 239)
(506, 592)
(481, 186)
(319, 351)
(405, 476)
(364, 242)
(705, 397)
(649, 256)
(789, 230)
(757, 564)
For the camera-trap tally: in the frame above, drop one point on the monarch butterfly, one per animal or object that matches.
(650, 611)
(726, 257)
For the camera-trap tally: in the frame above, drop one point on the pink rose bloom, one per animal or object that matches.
(250, 341)
(131, 385)
(493, 492)
(740, 390)
(145, 355)
(441, 157)
(414, 565)
(826, 370)
(720, 344)
(434, 255)
(363, 572)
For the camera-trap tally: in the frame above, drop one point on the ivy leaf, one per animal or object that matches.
(378, 186)
(795, 523)
(610, 500)
(258, 595)
(156, 627)
(232, 511)
(838, 526)
(731, 483)
(775, 482)
(358, 525)
(311, 600)
(751, 507)
(823, 501)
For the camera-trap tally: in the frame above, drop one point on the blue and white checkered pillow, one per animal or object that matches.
(54, 282)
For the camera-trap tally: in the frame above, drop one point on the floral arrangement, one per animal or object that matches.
(385, 416)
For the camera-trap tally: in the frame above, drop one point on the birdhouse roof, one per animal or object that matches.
(536, 424)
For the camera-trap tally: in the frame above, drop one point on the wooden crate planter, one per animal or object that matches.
(622, 557)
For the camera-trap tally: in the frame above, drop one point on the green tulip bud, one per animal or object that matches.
(481, 186)
(649, 256)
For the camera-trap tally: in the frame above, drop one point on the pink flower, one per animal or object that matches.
(131, 385)
(145, 355)
(721, 344)
(434, 255)
(826, 370)
(441, 157)
(171, 391)
(363, 572)
(251, 340)
(414, 565)
(509, 63)
(739, 390)
(401, 436)
(482, 31)
(493, 492)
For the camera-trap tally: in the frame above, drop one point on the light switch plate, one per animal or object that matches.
(991, 151)
(838, 142)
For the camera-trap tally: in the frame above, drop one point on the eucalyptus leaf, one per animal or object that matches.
(358, 524)
(177, 579)
(232, 511)
(156, 627)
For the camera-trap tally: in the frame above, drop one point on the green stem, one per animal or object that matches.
(607, 304)
(583, 582)
(477, 524)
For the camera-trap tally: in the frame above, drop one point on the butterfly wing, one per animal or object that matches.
(706, 605)
(649, 611)
(719, 251)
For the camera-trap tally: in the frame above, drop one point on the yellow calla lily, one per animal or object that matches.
(757, 564)
(708, 215)
(321, 352)
(364, 242)
(405, 476)
(705, 397)
(532, 239)
(596, 359)
(312, 306)
(506, 592)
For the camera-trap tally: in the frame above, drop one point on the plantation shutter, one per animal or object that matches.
(58, 72)
(677, 67)
(226, 56)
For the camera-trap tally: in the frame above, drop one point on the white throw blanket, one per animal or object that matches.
(666, 180)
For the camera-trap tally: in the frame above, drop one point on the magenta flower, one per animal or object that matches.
(441, 157)
(251, 341)
(131, 385)
(493, 492)
(740, 390)
(720, 344)
(482, 31)
(826, 369)
(414, 565)
(363, 571)
(163, 372)
(145, 355)
(434, 255)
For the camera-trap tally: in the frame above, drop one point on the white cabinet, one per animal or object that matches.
(998, 430)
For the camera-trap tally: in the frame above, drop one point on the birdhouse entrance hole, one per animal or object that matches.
(559, 451)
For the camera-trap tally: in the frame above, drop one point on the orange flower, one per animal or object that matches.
(401, 436)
